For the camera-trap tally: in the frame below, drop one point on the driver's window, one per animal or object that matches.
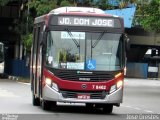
(49, 57)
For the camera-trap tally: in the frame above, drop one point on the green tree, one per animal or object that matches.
(148, 15)
(27, 40)
(33, 9)
(104, 5)
(3, 2)
(62, 3)
(124, 3)
(42, 6)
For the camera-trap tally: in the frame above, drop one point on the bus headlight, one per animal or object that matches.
(119, 84)
(113, 88)
(116, 86)
(50, 83)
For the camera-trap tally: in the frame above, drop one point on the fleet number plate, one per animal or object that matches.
(83, 96)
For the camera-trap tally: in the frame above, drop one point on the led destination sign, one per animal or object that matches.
(87, 21)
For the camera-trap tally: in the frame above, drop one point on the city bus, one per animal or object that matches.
(78, 56)
(1, 59)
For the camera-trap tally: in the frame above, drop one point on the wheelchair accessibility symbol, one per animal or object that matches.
(91, 64)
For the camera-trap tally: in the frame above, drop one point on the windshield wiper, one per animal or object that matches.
(72, 37)
(99, 38)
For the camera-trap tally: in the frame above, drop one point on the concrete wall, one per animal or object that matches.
(145, 40)
(137, 70)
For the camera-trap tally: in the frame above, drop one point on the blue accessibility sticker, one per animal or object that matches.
(91, 65)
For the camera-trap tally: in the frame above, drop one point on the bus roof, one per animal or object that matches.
(88, 11)
(77, 9)
(80, 13)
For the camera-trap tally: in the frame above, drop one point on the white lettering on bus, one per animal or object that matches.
(65, 21)
(99, 87)
(81, 21)
(103, 22)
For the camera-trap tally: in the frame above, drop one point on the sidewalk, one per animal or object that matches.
(19, 79)
(141, 82)
(127, 81)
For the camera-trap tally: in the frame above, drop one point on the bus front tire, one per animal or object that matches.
(108, 108)
(35, 101)
(46, 105)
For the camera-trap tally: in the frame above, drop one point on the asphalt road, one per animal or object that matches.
(141, 101)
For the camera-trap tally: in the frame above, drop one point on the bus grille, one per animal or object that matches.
(84, 77)
(93, 95)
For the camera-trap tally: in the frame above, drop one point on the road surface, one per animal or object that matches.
(141, 98)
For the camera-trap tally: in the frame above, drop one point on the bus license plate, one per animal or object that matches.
(83, 96)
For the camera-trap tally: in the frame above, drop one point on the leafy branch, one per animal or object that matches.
(148, 16)
(4, 2)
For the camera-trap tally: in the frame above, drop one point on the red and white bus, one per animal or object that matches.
(78, 56)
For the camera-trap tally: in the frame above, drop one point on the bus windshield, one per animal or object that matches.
(1, 53)
(74, 50)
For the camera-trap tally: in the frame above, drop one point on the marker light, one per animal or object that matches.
(113, 88)
(2, 65)
(118, 75)
(125, 70)
(119, 84)
(54, 86)
(48, 81)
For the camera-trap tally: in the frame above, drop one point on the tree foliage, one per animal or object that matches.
(102, 4)
(27, 40)
(65, 3)
(3, 2)
(147, 13)
(42, 6)
(149, 16)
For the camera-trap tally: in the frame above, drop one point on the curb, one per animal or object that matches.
(13, 78)
(18, 79)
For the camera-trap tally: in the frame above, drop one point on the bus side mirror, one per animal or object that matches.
(127, 42)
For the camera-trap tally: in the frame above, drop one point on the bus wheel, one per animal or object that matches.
(46, 105)
(35, 101)
(108, 108)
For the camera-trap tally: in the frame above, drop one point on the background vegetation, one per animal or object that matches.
(147, 14)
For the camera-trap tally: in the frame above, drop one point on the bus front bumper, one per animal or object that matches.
(52, 95)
